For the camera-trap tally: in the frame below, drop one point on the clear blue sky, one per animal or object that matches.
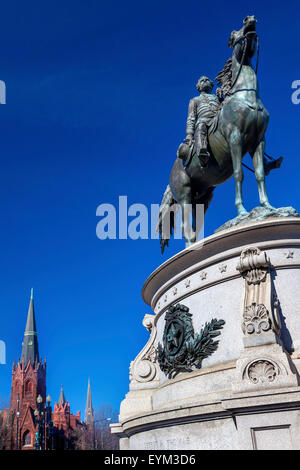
(97, 96)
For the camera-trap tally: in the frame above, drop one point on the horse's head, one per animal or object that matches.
(243, 42)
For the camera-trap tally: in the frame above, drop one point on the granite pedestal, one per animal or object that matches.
(246, 395)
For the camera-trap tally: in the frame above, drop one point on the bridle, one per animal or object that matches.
(245, 45)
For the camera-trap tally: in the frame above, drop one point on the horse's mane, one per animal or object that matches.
(224, 78)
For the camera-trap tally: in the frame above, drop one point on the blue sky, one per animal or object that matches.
(97, 96)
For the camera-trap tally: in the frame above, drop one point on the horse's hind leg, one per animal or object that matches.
(180, 184)
(236, 155)
(198, 213)
(258, 163)
(186, 214)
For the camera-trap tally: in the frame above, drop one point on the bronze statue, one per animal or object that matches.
(237, 121)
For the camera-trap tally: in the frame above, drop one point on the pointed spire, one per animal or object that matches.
(89, 412)
(62, 399)
(30, 349)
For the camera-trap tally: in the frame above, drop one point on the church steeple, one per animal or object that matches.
(62, 399)
(30, 348)
(89, 412)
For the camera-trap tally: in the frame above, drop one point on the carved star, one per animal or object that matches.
(289, 254)
(203, 275)
(223, 268)
(174, 336)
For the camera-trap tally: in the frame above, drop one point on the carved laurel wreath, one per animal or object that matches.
(182, 347)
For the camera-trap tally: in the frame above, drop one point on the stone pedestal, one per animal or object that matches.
(235, 386)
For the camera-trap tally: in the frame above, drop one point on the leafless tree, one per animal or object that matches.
(6, 431)
(104, 439)
(82, 438)
(6, 424)
(99, 436)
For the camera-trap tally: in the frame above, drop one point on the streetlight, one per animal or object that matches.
(39, 400)
(39, 414)
(48, 425)
(43, 416)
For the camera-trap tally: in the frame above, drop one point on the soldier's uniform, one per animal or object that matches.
(202, 110)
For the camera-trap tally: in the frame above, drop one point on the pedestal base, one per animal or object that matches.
(246, 394)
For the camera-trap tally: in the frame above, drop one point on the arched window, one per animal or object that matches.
(27, 438)
(28, 387)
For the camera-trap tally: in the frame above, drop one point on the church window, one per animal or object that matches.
(27, 438)
(28, 387)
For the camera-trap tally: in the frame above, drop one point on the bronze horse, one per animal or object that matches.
(238, 128)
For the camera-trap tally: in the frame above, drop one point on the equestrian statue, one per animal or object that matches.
(220, 130)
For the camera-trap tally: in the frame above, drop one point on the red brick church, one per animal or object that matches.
(30, 422)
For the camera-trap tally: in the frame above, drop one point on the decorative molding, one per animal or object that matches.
(260, 310)
(253, 265)
(264, 367)
(256, 319)
(280, 236)
(262, 371)
(263, 363)
(144, 369)
(200, 272)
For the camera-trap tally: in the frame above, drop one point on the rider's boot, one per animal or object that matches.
(201, 144)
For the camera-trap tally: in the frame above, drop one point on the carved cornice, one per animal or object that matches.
(277, 233)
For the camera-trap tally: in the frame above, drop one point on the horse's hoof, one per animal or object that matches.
(189, 244)
(242, 212)
(268, 207)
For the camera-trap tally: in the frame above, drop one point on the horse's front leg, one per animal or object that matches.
(235, 141)
(258, 163)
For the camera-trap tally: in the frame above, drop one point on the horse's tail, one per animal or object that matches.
(166, 218)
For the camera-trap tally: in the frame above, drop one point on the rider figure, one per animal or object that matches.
(202, 109)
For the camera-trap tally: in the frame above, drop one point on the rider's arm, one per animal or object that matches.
(191, 120)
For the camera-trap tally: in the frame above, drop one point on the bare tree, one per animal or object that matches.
(104, 439)
(82, 438)
(6, 424)
(6, 430)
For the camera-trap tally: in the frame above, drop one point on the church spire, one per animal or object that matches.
(89, 412)
(62, 399)
(30, 349)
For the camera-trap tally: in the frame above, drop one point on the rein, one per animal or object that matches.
(245, 44)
